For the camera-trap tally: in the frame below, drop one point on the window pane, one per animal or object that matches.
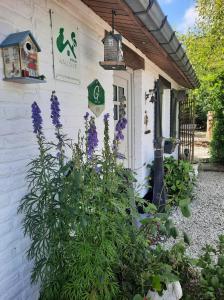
(115, 112)
(114, 93)
(120, 93)
(122, 111)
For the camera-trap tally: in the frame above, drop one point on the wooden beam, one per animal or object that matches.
(132, 59)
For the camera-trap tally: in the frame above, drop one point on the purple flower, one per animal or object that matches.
(98, 169)
(55, 111)
(119, 136)
(121, 124)
(92, 139)
(37, 119)
(86, 116)
(120, 156)
(106, 117)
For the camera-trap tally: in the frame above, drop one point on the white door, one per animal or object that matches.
(122, 100)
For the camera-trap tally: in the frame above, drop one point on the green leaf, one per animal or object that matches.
(174, 232)
(145, 221)
(184, 206)
(186, 238)
(138, 297)
(151, 208)
(156, 283)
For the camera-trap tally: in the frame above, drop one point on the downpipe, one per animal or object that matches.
(159, 193)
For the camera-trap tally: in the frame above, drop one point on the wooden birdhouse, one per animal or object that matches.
(113, 54)
(20, 58)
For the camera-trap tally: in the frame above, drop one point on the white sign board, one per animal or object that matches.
(65, 38)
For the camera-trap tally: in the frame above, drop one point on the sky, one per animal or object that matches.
(181, 13)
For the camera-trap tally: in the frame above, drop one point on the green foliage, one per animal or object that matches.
(143, 270)
(205, 48)
(179, 182)
(217, 95)
(205, 43)
(184, 268)
(76, 217)
(201, 278)
(212, 273)
(80, 216)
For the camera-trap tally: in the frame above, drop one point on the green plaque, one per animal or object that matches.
(96, 97)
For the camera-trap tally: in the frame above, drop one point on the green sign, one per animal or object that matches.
(66, 51)
(67, 45)
(96, 97)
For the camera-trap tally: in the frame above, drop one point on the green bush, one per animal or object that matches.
(80, 216)
(211, 97)
(217, 142)
(203, 278)
(179, 181)
(212, 273)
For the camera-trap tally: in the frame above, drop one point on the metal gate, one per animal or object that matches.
(186, 128)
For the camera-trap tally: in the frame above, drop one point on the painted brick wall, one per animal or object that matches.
(144, 151)
(17, 142)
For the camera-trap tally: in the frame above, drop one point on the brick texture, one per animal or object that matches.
(17, 143)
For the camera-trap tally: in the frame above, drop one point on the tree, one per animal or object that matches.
(205, 48)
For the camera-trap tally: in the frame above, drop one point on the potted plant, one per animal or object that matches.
(170, 145)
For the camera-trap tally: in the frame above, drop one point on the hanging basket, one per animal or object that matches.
(169, 146)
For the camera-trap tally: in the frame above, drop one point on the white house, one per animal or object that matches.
(70, 34)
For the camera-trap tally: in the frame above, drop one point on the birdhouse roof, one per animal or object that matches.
(117, 37)
(18, 38)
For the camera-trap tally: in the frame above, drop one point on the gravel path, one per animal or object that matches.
(207, 212)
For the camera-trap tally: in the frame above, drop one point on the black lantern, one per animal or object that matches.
(113, 54)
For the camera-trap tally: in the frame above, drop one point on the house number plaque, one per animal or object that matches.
(96, 98)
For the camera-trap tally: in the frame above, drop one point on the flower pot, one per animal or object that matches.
(169, 146)
(173, 292)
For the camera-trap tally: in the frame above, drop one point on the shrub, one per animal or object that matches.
(179, 183)
(212, 273)
(80, 213)
(201, 278)
(217, 142)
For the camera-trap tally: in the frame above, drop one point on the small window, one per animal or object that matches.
(114, 93)
(120, 93)
(116, 112)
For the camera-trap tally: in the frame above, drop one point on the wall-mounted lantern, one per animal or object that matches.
(113, 54)
(181, 95)
(20, 58)
(151, 95)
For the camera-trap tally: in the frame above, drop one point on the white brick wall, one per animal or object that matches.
(17, 143)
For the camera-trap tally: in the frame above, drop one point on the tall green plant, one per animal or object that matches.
(80, 215)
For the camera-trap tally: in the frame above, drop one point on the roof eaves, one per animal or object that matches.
(156, 22)
(18, 38)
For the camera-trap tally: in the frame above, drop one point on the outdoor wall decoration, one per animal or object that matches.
(65, 39)
(146, 122)
(20, 58)
(113, 54)
(96, 98)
